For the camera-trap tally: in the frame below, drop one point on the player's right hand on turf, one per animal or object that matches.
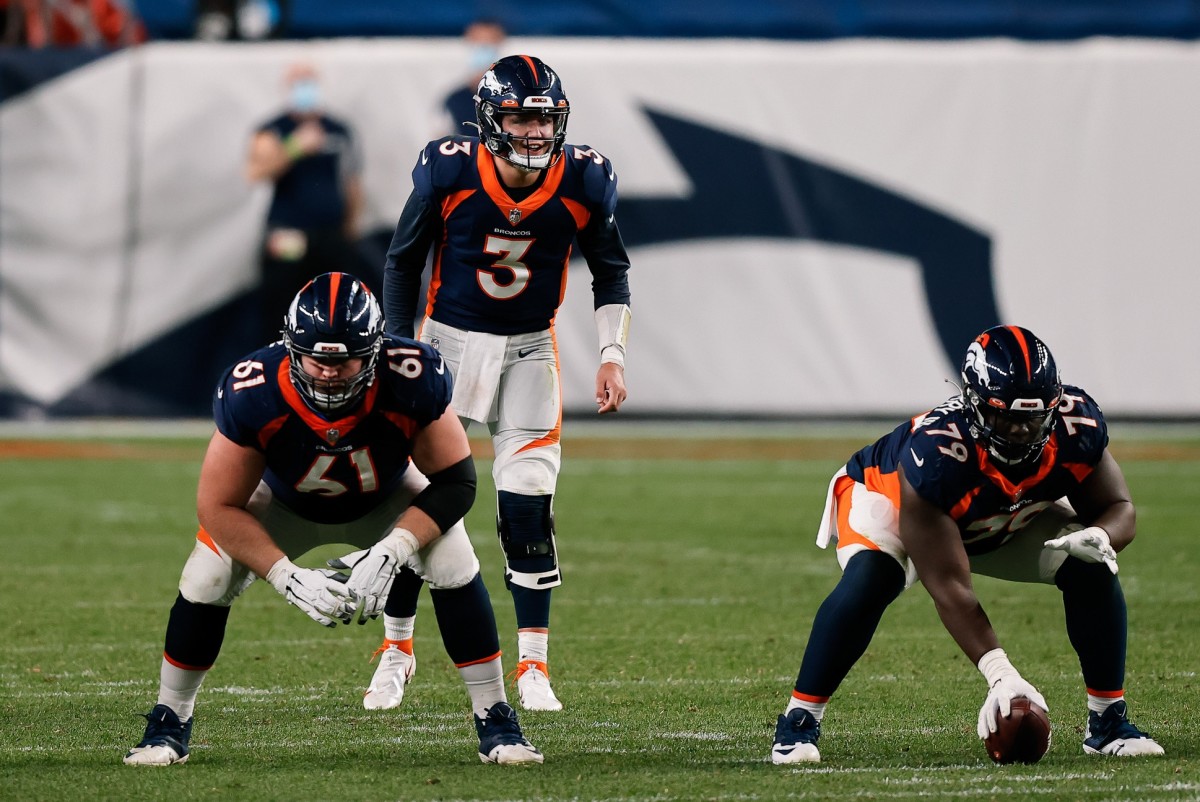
(372, 571)
(1005, 685)
(320, 593)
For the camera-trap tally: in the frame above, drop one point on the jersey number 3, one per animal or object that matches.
(510, 251)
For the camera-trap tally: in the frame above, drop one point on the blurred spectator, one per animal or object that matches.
(70, 23)
(251, 20)
(313, 160)
(484, 38)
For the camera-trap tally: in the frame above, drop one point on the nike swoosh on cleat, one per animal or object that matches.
(916, 459)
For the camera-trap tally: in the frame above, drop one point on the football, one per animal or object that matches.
(1023, 737)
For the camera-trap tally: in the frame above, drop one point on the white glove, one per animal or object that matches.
(1004, 683)
(321, 594)
(1090, 545)
(372, 570)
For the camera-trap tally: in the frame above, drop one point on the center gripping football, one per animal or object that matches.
(1022, 737)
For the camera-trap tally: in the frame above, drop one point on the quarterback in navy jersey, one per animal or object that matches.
(1011, 479)
(499, 216)
(337, 434)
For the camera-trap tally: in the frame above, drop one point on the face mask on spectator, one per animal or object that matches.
(305, 96)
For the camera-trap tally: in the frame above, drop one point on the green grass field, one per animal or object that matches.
(691, 581)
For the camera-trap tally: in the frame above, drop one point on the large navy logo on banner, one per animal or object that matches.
(748, 189)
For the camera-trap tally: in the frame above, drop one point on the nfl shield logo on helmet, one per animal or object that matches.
(514, 216)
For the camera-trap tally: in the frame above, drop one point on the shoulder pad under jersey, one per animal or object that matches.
(1081, 430)
(595, 173)
(247, 396)
(939, 458)
(415, 378)
(442, 164)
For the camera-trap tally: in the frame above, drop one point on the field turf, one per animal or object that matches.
(691, 582)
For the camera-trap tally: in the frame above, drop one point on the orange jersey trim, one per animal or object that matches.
(843, 490)
(268, 431)
(453, 200)
(886, 483)
(449, 204)
(964, 503)
(1014, 490)
(578, 211)
(1079, 470)
(495, 190)
(402, 422)
(319, 425)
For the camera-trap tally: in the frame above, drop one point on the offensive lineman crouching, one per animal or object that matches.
(313, 445)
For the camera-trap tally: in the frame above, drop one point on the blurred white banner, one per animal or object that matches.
(810, 242)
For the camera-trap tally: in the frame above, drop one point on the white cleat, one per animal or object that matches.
(796, 736)
(158, 755)
(500, 738)
(394, 671)
(165, 742)
(1114, 734)
(533, 687)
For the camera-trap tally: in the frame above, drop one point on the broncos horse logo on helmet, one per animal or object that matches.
(333, 318)
(520, 85)
(1012, 389)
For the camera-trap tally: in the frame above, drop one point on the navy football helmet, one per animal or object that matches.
(333, 318)
(1012, 389)
(521, 84)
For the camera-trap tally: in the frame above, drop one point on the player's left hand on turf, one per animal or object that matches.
(610, 387)
(372, 571)
(1091, 545)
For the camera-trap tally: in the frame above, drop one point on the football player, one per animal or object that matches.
(500, 214)
(313, 446)
(1011, 479)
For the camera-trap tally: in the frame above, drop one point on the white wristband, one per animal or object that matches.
(994, 665)
(402, 543)
(612, 332)
(278, 575)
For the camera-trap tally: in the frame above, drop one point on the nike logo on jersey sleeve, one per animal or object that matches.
(920, 462)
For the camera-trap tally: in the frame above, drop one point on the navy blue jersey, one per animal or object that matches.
(310, 194)
(988, 500)
(500, 263)
(333, 471)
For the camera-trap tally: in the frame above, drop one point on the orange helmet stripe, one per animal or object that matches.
(1020, 337)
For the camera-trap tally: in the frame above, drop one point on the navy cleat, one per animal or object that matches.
(796, 735)
(1114, 734)
(500, 738)
(165, 741)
